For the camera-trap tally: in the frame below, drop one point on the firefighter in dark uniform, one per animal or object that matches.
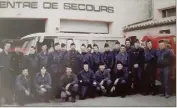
(69, 85)
(149, 69)
(136, 66)
(87, 82)
(5, 74)
(128, 45)
(85, 57)
(55, 61)
(43, 84)
(31, 61)
(23, 88)
(43, 56)
(73, 57)
(164, 63)
(89, 48)
(119, 81)
(16, 62)
(116, 50)
(108, 57)
(96, 57)
(103, 79)
(64, 61)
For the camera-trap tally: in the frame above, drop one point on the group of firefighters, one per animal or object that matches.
(65, 74)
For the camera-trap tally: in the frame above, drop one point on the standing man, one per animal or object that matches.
(31, 61)
(55, 61)
(96, 57)
(108, 57)
(64, 61)
(43, 56)
(5, 74)
(136, 66)
(149, 69)
(16, 63)
(116, 49)
(85, 57)
(164, 62)
(89, 48)
(69, 85)
(72, 57)
(128, 45)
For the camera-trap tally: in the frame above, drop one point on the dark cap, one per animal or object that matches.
(119, 62)
(72, 43)
(106, 45)
(161, 41)
(83, 45)
(137, 41)
(68, 65)
(85, 63)
(89, 46)
(63, 45)
(122, 46)
(127, 39)
(95, 45)
(101, 63)
(117, 42)
(56, 44)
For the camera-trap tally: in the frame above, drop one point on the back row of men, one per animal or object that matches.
(132, 68)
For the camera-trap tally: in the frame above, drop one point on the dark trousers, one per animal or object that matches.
(120, 89)
(88, 90)
(149, 78)
(21, 98)
(165, 80)
(107, 85)
(44, 96)
(137, 80)
(73, 89)
(55, 84)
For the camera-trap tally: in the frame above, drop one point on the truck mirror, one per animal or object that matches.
(41, 39)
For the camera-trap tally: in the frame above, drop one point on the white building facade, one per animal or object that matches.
(163, 20)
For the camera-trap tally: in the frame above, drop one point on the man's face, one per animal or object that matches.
(83, 49)
(86, 67)
(63, 48)
(102, 67)
(32, 51)
(161, 45)
(44, 48)
(57, 47)
(137, 44)
(95, 49)
(89, 49)
(119, 66)
(43, 70)
(122, 49)
(51, 50)
(106, 48)
(25, 72)
(17, 49)
(73, 47)
(149, 44)
(7, 46)
(117, 46)
(68, 71)
(127, 43)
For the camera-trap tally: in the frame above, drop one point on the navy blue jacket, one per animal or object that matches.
(43, 59)
(108, 59)
(40, 80)
(23, 83)
(86, 77)
(165, 57)
(123, 57)
(150, 56)
(85, 57)
(105, 75)
(121, 74)
(97, 58)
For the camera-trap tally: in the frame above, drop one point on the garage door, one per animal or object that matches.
(74, 26)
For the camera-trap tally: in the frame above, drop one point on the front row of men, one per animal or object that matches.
(86, 84)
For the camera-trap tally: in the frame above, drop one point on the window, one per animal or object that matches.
(168, 12)
(164, 31)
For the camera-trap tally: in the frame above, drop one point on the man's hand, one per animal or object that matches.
(94, 83)
(116, 81)
(43, 89)
(67, 86)
(27, 92)
(101, 83)
(136, 65)
(68, 93)
(113, 88)
(41, 86)
(102, 87)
